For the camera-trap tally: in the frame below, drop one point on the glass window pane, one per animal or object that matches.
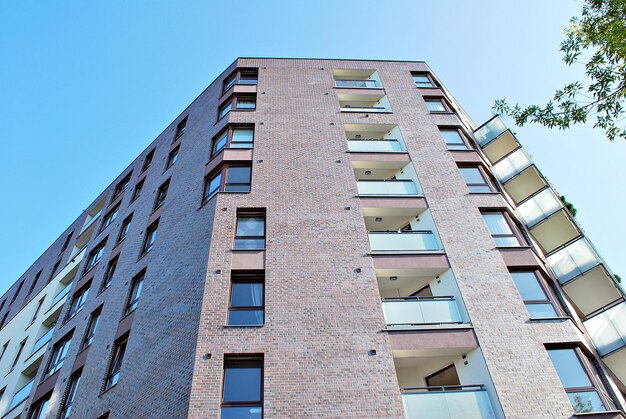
(220, 143)
(246, 295)
(249, 243)
(568, 367)
(246, 104)
(506, 241)
(251, 226)
(435, 106)
(243, 135)
(541, 311)
(238, 175)
(241, 412)
(237, 188)
(245, 317)
(586, 401)
(452, 136)
(479, 188)
(528, 286)
(472, 175)
(226, 109)
(242, 384)
(497, 223)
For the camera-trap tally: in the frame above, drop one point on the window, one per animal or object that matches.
(233, 137)
(119, 349)
(125, 228)
(241, 76)
(229, 82)
(161, 194)
(34, 284)
(121, 186)
(534, 296)
(59, 352)
(91, 328)
(78, 302)
(225, 109)
(17, 292)
(576, 381)
(246, 299)
(250, 231)
(54, 270)
(151, 235)
(500, 229)
(108, 275)
(147, 161)
(72, 388)
(95, 255)
(20, 348)
(180, 129)
(4, 349)
(172, 157)
(475, 180)
(36, 313)
(453, 138)
(110, 217)
(138, 189)
(245, 102)
(422, 80)
(242, 393)
(436, 105)
(66, 242)
(135, 293)
(212, 186)
(238, 179)
(39, 410)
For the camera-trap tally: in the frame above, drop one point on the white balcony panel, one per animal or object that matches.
(388, 187)
(525, 184)
(490, 130)
(403, 241)
(555, 231)
(608, 329)
(375, 146)
(511, 165)
(539, 207)
(414, 311)
(447, 405)
(573, 260)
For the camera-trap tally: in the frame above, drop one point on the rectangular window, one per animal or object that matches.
(34, 284)
(501, 229)
(110, 217)
(66, 242)
(475, 180)
(250, 233)
(121, 186)
(54, 270)
(161, 194)
(249, 76)
(138, 189)
(95, 255)
(39, 410)
(180, 129)
(135, 293)
(422, 80)
(219, 142)
(247, 301)
(151, 235)
(125, 228)
(59, 353)
(245, 102)
(225, 109)
(576, 380)
(108, 275)
(147, 161)
(238, 179)
(229, 82)
(534, 296)
(36, 313)
(72, 388)
(212, 185)
(436, 105)
(91, 328)
(17, 292)
(78, 302)
(242, 138)
(20, 348)
(119, 349)
(454, 139)
(242, 391)
(172, 157)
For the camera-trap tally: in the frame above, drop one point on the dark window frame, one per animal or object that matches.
(20, 349)
(54, 270)
(151, 229)
(433, 84)
(121, 186)
(244, 361)
(70, 394)
(148, 160)
(465, 139)
(251, 213)
(34, 283)
(95, 255)
(547, 290)
(233, 103)
(109, 273)
(172, 157)
(180, 128)
(92, 326)
(161, 195)
(516, 231)
(137, 190)
(241, 277)
(79, 298)
(235, 78)
(110, 217)
(223, 172)
(117, 361)
(446, 106)
(485, 175)
(61, 346)
(229, 130)
(124, 228)
(134, 293)
(17, 292)
(39, 409)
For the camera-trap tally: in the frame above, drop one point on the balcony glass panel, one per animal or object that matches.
(62, 293)
(608, 329)
(573, 260)
(21, 395)
(421, 310)
(363, 108)
(387, 187)
(375, 145)
(512, 165)
(357, 83)
(539, 207)
(403, 241)
(462, 403)
(490, 130)
(43, 340)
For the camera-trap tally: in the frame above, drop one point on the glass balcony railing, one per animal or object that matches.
(490, 131)
(421, 310)
(573, 260)
(43, 340)
(608, 328)
(539, 207)
(21, 395)
(363, 108)
(62, 293)
(368, 84)
(512, 165)
(375, 145)
(388, 187)
(91, 221)
(404, 241)
(449, 402)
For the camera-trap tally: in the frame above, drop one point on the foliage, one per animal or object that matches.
(600, 32)
(619, 278)
(570, 207)
(582, 407)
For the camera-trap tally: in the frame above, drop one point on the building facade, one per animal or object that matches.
(320, 238)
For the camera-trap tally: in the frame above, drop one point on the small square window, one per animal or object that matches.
(238, 179)
(533, 294)
(219, 143)
(242, 138)
(229, 82)
(501, 229)
(436, 105)
(422, 80)
(212, 185)
(453, 138)
(475, 180)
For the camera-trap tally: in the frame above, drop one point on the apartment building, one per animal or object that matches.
(320, 238)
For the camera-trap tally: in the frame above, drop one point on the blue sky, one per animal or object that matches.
(86, 86)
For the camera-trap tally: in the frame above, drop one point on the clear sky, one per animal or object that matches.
(85, 86)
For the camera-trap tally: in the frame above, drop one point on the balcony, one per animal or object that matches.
(453, 402)
(395, 187)
(375, 145)
(374, 138)
(371, 103)
(495, 139)
(20, 396)
(357, 84)
(43, 340)
(356, 79)
(608, 332)
(421, 311)
(403, 241)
